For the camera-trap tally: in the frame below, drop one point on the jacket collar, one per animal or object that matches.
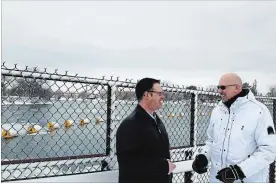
(240, 100)
(142, 113)
(243, 93)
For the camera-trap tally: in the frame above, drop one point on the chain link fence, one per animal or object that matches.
(60, 124)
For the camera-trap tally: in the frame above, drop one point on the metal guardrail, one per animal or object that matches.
(60, 124)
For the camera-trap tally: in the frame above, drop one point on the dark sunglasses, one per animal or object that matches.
(223, 87)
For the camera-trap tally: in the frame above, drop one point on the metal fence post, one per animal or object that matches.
(195, 121)
(272, 166)
(188, 175)
(108, 121)
(192, 123)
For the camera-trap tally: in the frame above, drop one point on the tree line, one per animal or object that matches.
(25, 87)
(30, 87)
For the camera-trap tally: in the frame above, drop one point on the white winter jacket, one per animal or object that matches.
(240, 136)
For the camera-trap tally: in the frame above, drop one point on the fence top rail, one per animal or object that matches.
(36, 73)
(266, 97)
(39, 74)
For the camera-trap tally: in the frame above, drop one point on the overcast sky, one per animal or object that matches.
(184, 42)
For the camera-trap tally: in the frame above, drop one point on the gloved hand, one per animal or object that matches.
(230, 174)
(200, 164)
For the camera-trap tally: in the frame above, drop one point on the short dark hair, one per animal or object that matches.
(144, 85)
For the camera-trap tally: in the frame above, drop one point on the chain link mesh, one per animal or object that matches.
(59, 124)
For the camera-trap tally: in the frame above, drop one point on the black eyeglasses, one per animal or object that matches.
(159, 93)
(223, 87)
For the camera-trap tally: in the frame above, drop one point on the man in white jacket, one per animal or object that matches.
(241, 142)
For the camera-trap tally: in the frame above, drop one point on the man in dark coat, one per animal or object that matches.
(142, 143)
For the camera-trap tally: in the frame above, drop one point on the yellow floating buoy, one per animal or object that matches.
(170, 115)
(49, 125)
(98, 120)
(52, 126)
(7, 134)
(68, 123)
(84, 121)
(31, 130)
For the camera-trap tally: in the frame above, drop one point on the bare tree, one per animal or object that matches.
(246, 85)
(192, 87)
(31, 88)
(272, 91)
(212, 88)
(84, 95)
(253, 87)
(58, 94)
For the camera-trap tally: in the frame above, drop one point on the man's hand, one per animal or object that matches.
(200, 164)
(230, 174)
(171, 167)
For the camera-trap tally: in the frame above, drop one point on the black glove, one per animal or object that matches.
(230, 174)
(200, 164)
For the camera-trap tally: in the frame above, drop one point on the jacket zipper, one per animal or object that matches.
(224, 139)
